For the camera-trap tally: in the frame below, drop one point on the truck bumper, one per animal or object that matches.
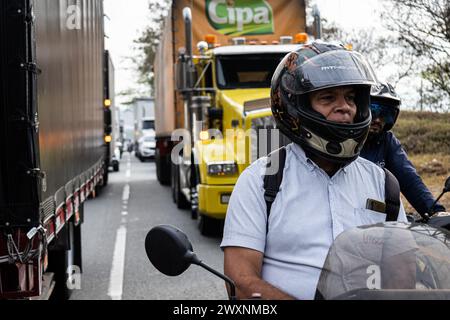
(213, 200)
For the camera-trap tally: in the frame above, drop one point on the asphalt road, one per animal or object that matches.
(115, 265)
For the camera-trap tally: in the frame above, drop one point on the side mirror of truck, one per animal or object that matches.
(169, 250)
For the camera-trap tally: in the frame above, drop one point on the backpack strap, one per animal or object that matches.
(272, 182)
(392, 196)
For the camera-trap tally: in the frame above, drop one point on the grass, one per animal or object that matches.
(426, 138)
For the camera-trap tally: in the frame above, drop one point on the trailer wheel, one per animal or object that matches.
(61, 261)
(209, 227)
(180, 199)
(116, 167)
(163, 169)
(172, 182)
(78, 258)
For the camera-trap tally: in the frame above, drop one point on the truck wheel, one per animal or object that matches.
(172, 184)
(61, 261)
(180, 199)
(105, 178)
(209, 227)
(77, 239)
(116, 167)
(163, 169)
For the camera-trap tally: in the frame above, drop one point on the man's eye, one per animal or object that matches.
(351, 98)
(327, 98)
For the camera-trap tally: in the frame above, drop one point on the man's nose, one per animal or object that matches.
(342, 104)
(376, 120)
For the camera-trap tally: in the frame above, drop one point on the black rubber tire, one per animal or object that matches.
(180, 199)
(209, 227)
(61, 257)
(116, 167)
(172, 182)
(163, 169)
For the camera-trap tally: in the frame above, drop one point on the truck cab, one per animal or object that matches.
(229, 106)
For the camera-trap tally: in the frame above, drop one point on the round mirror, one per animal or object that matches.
(169, 250)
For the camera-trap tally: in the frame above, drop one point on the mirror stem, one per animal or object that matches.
(434, 204)
(223, 277)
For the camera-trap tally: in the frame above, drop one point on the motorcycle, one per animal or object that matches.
(385, 261)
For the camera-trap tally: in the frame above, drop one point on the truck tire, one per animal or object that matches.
(172, 182)
(61, 257)
(116, 167)
(105, 178)
(180, 199)
(163, 169)
(78, 257)
(209, 227)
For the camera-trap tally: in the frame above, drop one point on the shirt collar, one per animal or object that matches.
(301, 155)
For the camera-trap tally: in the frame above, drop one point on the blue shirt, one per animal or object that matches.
(310, 211)
(387, 152)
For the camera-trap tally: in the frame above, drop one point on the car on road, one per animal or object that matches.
(146, 148)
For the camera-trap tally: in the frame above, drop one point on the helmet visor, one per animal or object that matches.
(330, 69)
(387, 113)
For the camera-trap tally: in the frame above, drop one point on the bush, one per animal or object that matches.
(424, 132)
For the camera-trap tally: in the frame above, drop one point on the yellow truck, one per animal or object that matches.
(211, 101)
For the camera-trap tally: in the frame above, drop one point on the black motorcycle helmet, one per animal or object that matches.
(311, 68)
(385, 103)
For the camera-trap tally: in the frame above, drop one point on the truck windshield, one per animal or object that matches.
(148, 124)
(247, 71)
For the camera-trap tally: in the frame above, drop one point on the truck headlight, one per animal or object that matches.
(222, 169)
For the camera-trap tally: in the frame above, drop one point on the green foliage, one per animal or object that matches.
(147, 43)
(424, 132)
(424, 27)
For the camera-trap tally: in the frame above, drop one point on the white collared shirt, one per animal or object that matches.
(309, 212)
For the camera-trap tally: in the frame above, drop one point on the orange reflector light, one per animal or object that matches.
(301, 38)
(264, 42)
(252, 42)
(108, 103)
(108, 139)
(349, 46)
(275, 42)
(211, 39)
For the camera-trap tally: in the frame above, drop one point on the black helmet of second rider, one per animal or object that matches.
(320, 98)
(385, 108)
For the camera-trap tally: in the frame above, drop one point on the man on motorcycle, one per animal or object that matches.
(384, 149)
(320, 100)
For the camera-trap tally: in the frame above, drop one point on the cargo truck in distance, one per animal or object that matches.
(112, 131)
(52, 137)
(222, 87)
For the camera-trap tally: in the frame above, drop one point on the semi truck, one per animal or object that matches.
(51, 140)
(110, 115)
(212, 101)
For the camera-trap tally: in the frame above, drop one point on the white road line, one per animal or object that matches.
(124, 213)
(126, 193)
(117, 271)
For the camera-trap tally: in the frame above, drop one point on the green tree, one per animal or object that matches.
(147, 42)
(423, 26)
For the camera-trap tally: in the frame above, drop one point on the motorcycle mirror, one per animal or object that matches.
(447, 185)
(169, 250)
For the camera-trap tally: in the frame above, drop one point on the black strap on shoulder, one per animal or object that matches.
(392, 196)
(272, 181)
